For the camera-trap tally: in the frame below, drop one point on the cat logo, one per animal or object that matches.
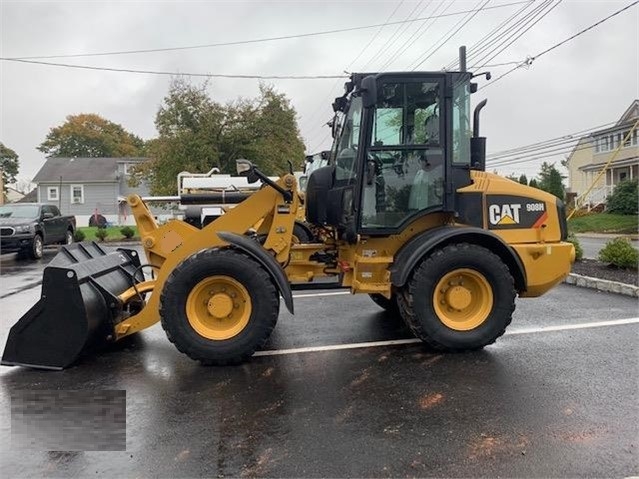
(506, 214)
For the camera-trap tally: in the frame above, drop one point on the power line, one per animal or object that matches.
(452, 32)
(567, 136)
(323, 103)
(485, 39)
(391, 40)
(568, 146)
(406, 45)
(529, 60)
(155, 72)
(491, 45)
(256, 40)
(526, 27)
(392, 56)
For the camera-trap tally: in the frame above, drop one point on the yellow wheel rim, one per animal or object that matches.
(218, 307)
(463, 299)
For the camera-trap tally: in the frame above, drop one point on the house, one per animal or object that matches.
(86, 186)
(591, 154)
(12, 195)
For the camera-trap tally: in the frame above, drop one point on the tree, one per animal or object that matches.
(523, 180)
(91, 136)
(9, 165)
(624, 198)
(551, 181)
(195, 134)
(533, 183)
(512, 177)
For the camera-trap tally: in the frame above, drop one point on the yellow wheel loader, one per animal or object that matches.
(407, 214)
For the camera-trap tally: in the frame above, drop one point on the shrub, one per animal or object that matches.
(579, 252)
(127, 232)
(101, 233)
(619, 252)
(624, 198)
(78, 236)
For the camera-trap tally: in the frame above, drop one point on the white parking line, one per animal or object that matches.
(313, 295)
(396, 342)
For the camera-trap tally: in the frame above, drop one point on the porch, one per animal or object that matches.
(626, 169)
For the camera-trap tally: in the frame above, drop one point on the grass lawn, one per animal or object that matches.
(113, 233)
(604, 223)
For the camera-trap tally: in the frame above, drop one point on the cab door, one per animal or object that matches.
(405, 168)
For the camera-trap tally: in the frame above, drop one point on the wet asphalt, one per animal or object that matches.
(591, 245)
(539, 403)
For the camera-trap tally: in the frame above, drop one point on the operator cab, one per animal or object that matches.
(402, 147)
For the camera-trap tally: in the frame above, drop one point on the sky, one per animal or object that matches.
(586, 82)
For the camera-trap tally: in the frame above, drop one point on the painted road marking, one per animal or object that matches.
(313, 295)
(396, 342)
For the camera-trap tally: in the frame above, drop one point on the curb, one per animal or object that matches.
(602, 285)
(630, 236)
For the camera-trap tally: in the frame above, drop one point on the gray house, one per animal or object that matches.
(88, 186)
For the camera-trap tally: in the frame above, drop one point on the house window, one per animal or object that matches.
(53, 193)
(77, 194)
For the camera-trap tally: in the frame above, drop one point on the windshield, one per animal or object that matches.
(19, 211)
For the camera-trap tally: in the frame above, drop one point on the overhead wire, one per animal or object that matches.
(491, 46)
(390, 40)
(477, 45)
(177, 73)
(552, 150)
(250, 41)
(541, 144)
(322, 105)
(516, 35)
(420, 33)
(393, 55)
(530, 60)
(451, 33)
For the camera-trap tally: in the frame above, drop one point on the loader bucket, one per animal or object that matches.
(78, 307)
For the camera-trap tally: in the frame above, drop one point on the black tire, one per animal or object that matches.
(37, 247)
(68, 237)
(417, 297)
(302, 234)
(389, 305)
(264, 301)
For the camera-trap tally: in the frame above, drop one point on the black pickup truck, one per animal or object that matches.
(26, 228)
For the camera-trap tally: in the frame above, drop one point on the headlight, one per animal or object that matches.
(23, 228)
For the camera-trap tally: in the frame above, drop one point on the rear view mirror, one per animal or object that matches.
(246, 168)
(46, 216)
(243, 167)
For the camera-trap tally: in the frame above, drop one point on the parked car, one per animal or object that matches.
(26, 228)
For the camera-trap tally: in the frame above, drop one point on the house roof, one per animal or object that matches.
(81, 169)
(30, 197)
(631, 113)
